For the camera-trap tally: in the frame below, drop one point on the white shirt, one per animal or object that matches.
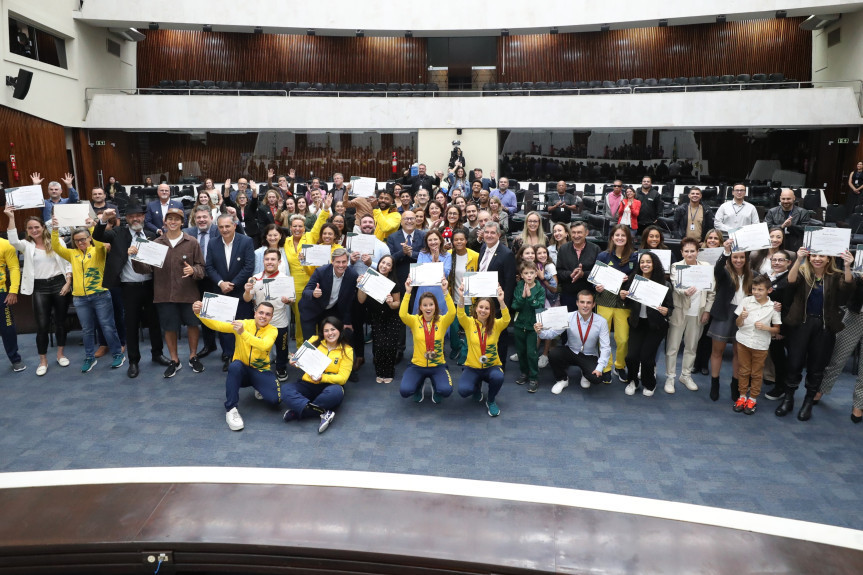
(45, 266)
(747, 334)
(280, 309)
(486, 258)
(229, 249)
(337, 286)
(732, 215)
(128, 274)
(460, 264)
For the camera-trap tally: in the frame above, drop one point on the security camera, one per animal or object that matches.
(456, 142)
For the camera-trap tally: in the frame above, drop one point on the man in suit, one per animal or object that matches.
(485, 183)
(206, 233)
(330, 291)
(494, 256)
(575, 260)
(405, 245)
(156, 210)
(136, 289)
(230, 262)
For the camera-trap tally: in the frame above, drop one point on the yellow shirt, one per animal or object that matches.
(88, 267)
(472, 330)
(386, 223)
(415, 323)
(253, 345)
(341, 364)
(298, 270)
(9, 260)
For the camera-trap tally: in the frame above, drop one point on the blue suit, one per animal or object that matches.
(402, 261)
(313, 310)
(153, 220)
(237, 272)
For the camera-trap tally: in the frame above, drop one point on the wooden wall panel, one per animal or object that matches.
(39, 146)
(187, 55)
(752, 47)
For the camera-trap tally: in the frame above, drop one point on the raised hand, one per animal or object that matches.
(36, 178)
(68, 179)
(270, 173)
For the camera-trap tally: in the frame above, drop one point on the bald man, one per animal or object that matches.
(790, 218)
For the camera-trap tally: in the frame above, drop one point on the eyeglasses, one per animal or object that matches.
(82, 240)
(616, 186)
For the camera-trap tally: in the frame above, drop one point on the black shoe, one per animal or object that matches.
(173, 369)
(805, 412)
(856, 418)
(705, 371)
(162, 360)
(787, 405)
(606, 377)
(205, 351)
(132, 372)
(735, 389)
(225, 365)
(400, 356)
(354, 376)
(282, 375)
(714, 389)
(622, 375)
(777, 392)
(196, 364)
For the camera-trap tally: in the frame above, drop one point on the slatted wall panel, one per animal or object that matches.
(193, 55)
(752, 47)
(40, 146)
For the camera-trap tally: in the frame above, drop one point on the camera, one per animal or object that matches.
(456, 142)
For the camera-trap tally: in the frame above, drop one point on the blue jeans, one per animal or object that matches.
(93, 309)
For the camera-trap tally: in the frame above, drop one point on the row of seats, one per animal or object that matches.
(625, 86)
(224, 88)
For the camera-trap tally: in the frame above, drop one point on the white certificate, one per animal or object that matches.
(700, 277)
(427, 274)
(710, 255)
(750, 238)
(219, 307)
(664, 258)
(376, 286)
(555, 318)
(316, 255)
(73, 215)
(647, 292)
(858, 260)
(362, 243)
(827, 241)
(480, 284)
(150, 253)
(278, 287)
(364, 187)
(25, 197)
(606, 276)
(311, 360)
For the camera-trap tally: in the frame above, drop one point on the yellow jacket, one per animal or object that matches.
(298, 270)
(471, 331)
(9, 259)
(472, 265)
(253, 346)
(386, 223)
(414, 322)
(341, 364)
(87, 268)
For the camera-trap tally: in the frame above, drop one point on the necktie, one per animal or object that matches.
(203, 237)
(410, 245)
(485, 260)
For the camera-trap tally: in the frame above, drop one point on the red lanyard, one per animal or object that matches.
(264, 275)
(483, 336)
(584, 337)
(429, 333)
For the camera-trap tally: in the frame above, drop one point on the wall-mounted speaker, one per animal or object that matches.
(21, 83)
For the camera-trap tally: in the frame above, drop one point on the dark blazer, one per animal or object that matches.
(427, 181)
(153, 220)
(205, 284)
(238, 270)
(248, 218)
(502, 262)
(402, 261)
(568, 261)
(656, 320)
(264, 216)
(681, 218)
(311, 306)
(836, 294)
(120, 239)
(725, 290)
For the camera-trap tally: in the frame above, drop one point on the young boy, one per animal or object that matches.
(529, 298)
(757, 323)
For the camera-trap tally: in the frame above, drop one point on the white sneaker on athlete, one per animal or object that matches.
(235, 422)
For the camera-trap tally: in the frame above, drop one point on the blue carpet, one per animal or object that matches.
(680, 447)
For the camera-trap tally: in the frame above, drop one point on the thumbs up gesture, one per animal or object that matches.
(317, 293)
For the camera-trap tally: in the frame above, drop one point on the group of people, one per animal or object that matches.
(782, 307)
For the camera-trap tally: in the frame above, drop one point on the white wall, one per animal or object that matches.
(478, 146)
(442, 17)
(844, 61)
(799, 108)
(57, 94)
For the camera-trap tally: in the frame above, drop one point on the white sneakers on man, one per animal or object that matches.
(669, 384)
(585, 383)
(630, 388)
(559, 386)
(235, 422)
(687, 380)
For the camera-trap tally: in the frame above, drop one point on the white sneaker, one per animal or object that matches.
(326, 418)
(630, 388)
(669, 384)
(513, 357)
(235, 422)
(585, 383)
(687, 380)
(42, 370)
(63, 362)
(543, 361)
(647, 392)
(559, 386)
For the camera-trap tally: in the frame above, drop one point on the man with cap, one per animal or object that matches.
(136, 289)
(176, 288)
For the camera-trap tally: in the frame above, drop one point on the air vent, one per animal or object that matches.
(833, 37)
(113, 47)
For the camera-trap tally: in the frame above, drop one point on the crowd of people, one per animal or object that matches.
(783, 309)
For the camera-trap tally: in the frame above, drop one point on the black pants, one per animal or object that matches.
(779, 357)
(560, 358)
(705, 348)
(47, 299)
(570, 300)
(358, 319)
(644, 342)
(810, 345)
(140, 310)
